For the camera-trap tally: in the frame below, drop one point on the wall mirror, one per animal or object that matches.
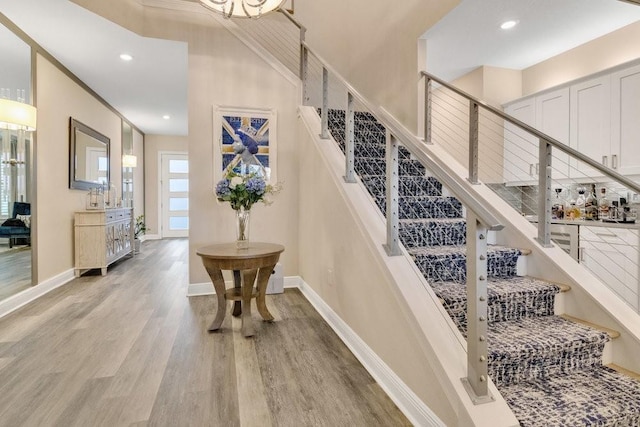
(16, 168)
(129, 161)
(88, 157)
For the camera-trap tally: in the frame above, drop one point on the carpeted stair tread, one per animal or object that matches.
(527, 348)
(508, 299)
(458, 250)
(423, 207)
(598, 396)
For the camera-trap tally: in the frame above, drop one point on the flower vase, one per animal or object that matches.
(242, 227)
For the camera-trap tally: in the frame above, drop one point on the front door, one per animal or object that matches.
(174, 194)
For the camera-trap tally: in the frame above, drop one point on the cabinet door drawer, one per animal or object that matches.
(614, 236)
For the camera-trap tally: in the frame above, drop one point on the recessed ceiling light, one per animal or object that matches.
(508, 24)
(126, 57)
(166, 117)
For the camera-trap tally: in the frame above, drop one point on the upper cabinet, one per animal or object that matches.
(625, 123)
(590, 123)
(520, 147)
(550, 114)
(597, 117)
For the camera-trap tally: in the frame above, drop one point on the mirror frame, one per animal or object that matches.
(76, 126)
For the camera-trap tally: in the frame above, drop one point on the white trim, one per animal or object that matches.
(159, 187)
(199, 289)
(206, 288)
(18, 300)
(407, 401)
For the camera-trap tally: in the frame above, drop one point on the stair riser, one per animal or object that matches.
(374, 166)
(369, 149)
(407, 186)
(500, 310)
(424, 207)
(452, 267)
(433, 234)
(539, 365)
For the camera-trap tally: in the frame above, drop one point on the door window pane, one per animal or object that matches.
(178, 203)
(179, 223)
(178, 166)
(178, 185)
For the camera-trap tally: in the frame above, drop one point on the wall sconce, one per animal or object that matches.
(129, 161)
(16, 115)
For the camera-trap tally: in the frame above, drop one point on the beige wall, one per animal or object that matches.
(374, 46)
(605, 52)
(58, 98)
(492, 85)
(153, 145)
(225, 72)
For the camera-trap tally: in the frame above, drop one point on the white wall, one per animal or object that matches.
(223, 71)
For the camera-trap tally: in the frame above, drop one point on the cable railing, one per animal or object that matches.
(517, 160)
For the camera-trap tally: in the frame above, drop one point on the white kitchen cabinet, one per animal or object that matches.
(590, 124)
(552, 116)
(520, 147)
(625, 121)
(548, 113)
(596, 116)
(611, 254)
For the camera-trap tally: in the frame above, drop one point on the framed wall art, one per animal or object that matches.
(250, 131)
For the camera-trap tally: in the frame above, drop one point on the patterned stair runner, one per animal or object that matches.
(549, 369)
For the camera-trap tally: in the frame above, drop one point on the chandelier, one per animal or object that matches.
(242, 8)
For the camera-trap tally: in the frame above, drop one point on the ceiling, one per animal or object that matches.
(154, 83)
(470, 35)
(145, 89)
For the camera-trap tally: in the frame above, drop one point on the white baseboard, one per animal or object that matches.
(199, 289)
(150, 237)
(20, 299)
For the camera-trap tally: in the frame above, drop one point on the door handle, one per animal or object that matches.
(614, 161)
(604, 160)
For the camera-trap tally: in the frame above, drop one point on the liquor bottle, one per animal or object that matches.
(591, 205)
(603, 204)
(557, 209)
(580, 202)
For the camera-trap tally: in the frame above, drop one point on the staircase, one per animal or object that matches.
(548, 368)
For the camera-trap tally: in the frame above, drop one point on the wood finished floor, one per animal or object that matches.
(15, 270)
(130, 349)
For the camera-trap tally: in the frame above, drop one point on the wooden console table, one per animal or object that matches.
(259, 259)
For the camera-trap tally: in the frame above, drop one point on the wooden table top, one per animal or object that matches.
(231, 251)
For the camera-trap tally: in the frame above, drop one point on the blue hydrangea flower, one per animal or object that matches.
(256, 185)
(222, 189)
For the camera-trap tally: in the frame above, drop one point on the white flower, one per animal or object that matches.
(235, 181)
